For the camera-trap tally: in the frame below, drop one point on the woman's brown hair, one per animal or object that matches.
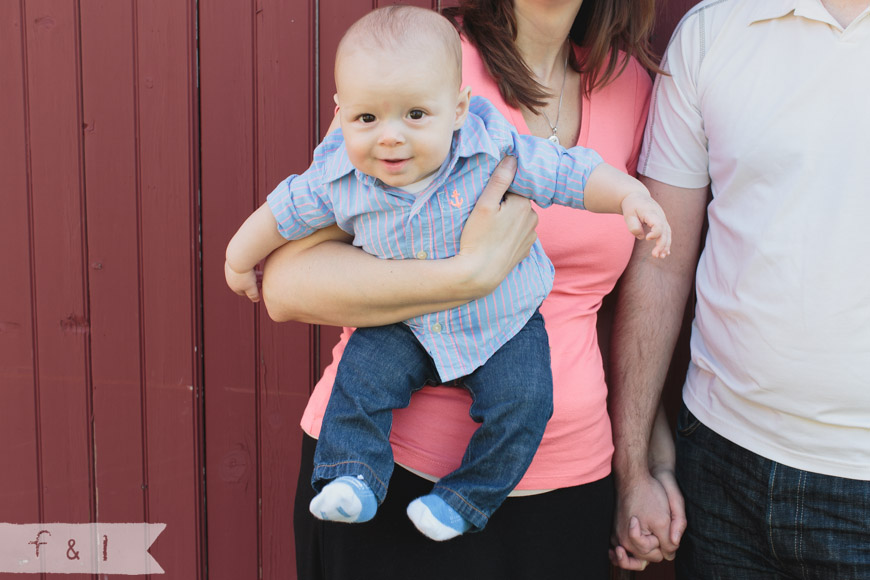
(602, 27)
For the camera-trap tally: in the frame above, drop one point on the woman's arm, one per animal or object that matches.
(324, 280)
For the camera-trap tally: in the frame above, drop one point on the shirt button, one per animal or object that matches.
(422, 255)
(436, 328)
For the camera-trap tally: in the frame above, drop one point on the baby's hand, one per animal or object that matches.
(646, 220)
(242, 283)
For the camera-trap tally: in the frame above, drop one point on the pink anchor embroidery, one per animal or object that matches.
(456, 201)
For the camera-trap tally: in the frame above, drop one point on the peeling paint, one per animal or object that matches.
(74, 324)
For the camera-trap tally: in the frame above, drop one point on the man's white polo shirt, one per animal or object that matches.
(769, 101)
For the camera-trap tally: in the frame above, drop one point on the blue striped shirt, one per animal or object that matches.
(393, 224)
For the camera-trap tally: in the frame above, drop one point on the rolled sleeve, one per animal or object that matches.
(548, 173)
(299, 207)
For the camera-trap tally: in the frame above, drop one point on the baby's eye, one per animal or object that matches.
(367, 118)
(416, 114)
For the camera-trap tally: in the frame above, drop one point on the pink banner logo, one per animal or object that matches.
(96, 548)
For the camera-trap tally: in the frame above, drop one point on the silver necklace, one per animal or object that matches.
(554, 127)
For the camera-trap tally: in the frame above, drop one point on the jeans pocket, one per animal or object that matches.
(687, 423)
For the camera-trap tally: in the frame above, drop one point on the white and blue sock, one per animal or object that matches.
(345, 499)
(436, 519)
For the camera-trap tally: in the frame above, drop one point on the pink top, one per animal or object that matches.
(589, 251)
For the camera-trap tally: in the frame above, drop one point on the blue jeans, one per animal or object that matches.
(751, 518)
(382, 366)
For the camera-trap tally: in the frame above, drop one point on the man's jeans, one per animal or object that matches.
(382, 366)
(754, 519)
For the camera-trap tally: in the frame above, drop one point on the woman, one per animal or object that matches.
(558, 525)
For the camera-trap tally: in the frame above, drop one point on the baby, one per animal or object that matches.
(402, 175)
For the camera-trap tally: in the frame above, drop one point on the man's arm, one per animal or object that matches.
(647, 322)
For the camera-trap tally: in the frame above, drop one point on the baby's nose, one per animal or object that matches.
(391, 135)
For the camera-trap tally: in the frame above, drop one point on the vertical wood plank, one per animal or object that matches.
(286, 374)
(19, 484)
(668, 15)
(336, 16)
(113, 256)
(167, 180)
(62, 325)
(285, 140)
(229, 195)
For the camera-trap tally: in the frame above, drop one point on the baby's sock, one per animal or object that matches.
(345, 499)
(436, 519)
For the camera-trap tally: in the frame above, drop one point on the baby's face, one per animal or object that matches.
(398, 113)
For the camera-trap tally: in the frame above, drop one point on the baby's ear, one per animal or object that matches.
(335, 99)
(462, 104)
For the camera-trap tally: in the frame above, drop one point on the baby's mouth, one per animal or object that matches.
(394, 164)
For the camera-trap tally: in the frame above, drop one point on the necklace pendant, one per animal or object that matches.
(553, 139)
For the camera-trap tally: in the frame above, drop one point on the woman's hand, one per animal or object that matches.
(323, 281)
(499, 232)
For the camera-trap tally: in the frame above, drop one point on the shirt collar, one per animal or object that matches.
(773, 9)
(338, 164)
(473, 137)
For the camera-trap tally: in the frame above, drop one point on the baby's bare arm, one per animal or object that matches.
(609, 190)
(255, 240)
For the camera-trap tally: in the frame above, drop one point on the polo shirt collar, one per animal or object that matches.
(771, 9)
(811, 9)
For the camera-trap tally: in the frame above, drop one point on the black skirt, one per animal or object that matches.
(560, 535)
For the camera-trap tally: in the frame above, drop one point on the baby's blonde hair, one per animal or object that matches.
(404, 30)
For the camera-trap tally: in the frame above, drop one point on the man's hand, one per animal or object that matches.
(650, 521)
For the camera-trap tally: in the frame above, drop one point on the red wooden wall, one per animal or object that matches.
(135, 136)
(256, 64)
(99, 321)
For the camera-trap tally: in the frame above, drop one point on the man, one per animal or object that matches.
(767, 108)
